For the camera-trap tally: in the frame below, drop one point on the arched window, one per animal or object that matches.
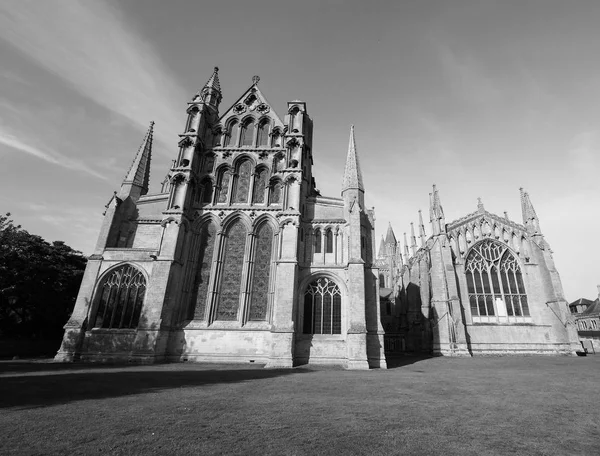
(121, 297)
(209, 162)
(263, 133)
(247, 133)
(317, 241)
(260, 184)
(329, 241)
(207, 191)
(322, 307)
(494, 277)
(231, 139)
(231, 277)
(295, 119)
(242, 184)
(197, 307)
(381, 281)
(276, 140)
(275, 194)
(223, 188)
(262, 272)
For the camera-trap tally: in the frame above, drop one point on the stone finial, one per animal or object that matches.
(480, 207)
(255, 79)
(352, 174)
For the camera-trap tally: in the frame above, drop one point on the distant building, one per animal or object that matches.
(576, 307)
(239, 258)
(588, 323)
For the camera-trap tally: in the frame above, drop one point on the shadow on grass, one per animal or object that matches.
(40, 389)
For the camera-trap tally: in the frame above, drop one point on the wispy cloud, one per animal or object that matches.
(89, 46)
(47, 155)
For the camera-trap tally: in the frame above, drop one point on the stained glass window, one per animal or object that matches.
(262, 270)
(322, 308)
(224, 186)
(494, 277)
(233, 263)
(121, 297)
(260, 183)
(231, 139)
(242, 185)
(263, 133)
(197, 310)
(275, 196)
(248, 133)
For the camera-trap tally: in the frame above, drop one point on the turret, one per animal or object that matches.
(137, 180)
(211, 92)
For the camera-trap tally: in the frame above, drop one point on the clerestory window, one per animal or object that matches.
(495, 282)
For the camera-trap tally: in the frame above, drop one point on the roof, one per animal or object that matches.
(581, 301)
(592, 311)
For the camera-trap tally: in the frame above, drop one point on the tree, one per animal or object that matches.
(38, 283)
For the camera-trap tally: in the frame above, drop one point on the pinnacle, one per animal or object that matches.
(390, 238)
(352, 173)
(213, 81)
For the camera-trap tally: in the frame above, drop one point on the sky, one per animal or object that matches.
(478, 97)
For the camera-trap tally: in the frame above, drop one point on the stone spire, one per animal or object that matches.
(406, 251)
(137, 180)
(436, 212)
(382, 251)
(352, 174)
(422, 234)
(413, 239)
(480, 207)
(530, 219)
(390, 238)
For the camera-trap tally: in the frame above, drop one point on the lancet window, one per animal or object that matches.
(231, 136)
(242, 183)
(328, 241)
(260, 184)
(231, 277)
(263, 133)
(495, 282)
(262, 271)
(223, 188)
(197, 310)
(121, 295)
(317, 241)
(247, 133)
(275, 194)
(322, 307)
(207, 191)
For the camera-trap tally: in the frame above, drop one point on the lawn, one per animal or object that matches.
(475, 406)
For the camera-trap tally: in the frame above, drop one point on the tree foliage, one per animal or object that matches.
(39, 282)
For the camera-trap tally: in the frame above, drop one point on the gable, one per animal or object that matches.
(251, 105)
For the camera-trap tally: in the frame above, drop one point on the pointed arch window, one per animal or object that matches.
(260, 184)
(322, 307)
(495, 282)
(223, 187)
(242, 183)
(247, 133)
(207, 191)
(197, 309)
(231, 278)
(276, 140)
(275, 194)
(261, 274)
(263, 133)
(231, 136)
(329, 241)
(121, 295)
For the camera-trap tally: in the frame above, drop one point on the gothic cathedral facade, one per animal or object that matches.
(239, 258)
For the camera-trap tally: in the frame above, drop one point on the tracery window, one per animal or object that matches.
(329, 241)
(263, 133)
(261, 274)
(197, 308)
(260, 184)
(231, 277)
(121, 297)
(495, 282)
(242, 185)
(323, 307)
(231, 137)
(247, 133)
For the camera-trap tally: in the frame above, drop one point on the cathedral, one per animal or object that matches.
(239, 258)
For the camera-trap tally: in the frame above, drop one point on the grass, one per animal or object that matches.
(475, 406)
